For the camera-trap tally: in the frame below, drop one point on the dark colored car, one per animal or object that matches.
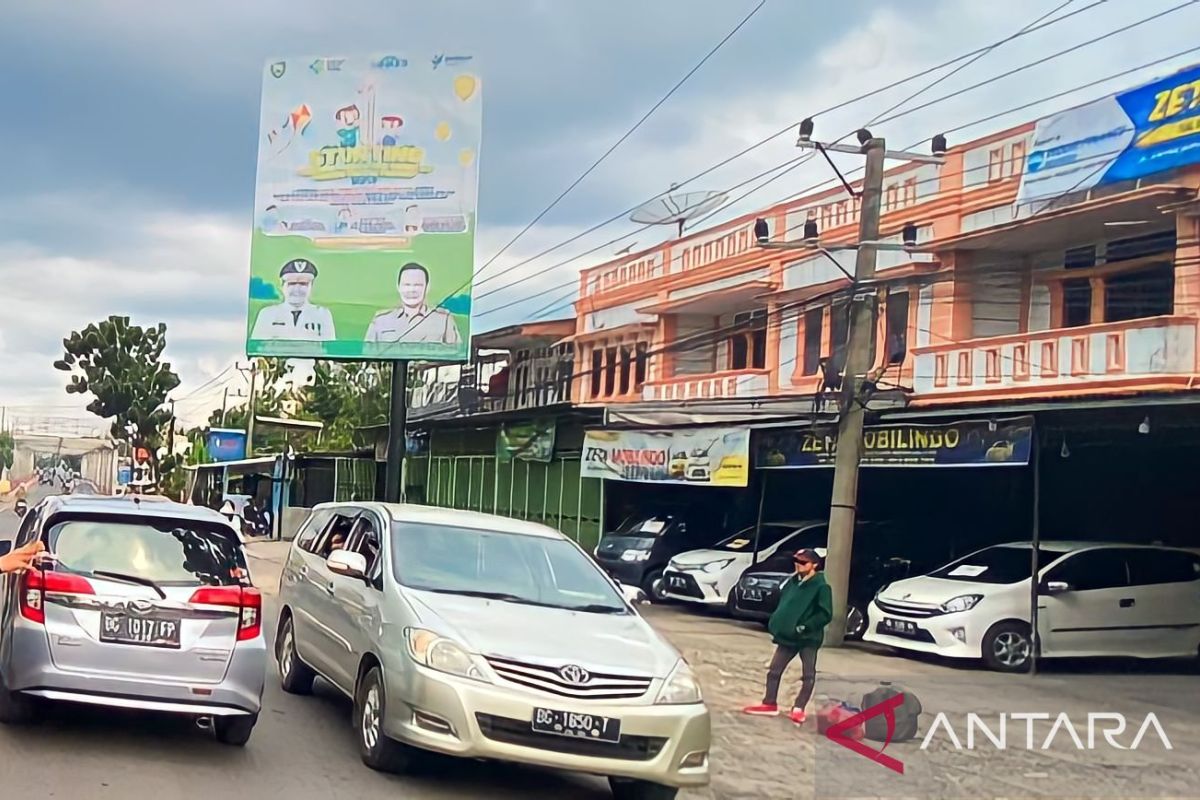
(876, 562)
(640, 548)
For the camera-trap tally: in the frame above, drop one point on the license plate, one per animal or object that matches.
(150, 631)
(578, 726)
(753, 594)
(900, 626)
(677, 582)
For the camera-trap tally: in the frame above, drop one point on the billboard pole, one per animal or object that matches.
(398, 413)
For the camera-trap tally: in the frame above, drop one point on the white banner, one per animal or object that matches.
(696, 456)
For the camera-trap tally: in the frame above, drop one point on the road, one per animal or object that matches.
(303, 747)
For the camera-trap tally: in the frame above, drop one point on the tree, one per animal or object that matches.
(345, 396)
(6, 450)
(121, 366)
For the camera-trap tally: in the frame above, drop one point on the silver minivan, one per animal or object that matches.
(142, 603)
(486, 637)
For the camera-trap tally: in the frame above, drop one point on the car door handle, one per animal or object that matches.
(1126, 602)
(329, 588)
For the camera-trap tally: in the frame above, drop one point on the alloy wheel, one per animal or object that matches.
(1011, 649)
(370, 718)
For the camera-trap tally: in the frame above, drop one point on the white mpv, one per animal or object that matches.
(1095, 599)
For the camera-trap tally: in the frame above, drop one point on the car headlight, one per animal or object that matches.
(714, 567)
(445, 655)
(635, 555)
(963, 602)
(680, 688)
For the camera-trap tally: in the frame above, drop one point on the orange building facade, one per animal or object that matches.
(1092, 293)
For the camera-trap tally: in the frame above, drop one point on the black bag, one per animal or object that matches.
(907, 714)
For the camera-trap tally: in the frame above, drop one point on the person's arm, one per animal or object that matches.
(22, 558)
(260, 326)
(822, 608)
(372, 332)
(327, 331)
(451, 334)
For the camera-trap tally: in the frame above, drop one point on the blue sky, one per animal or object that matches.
(131, 130)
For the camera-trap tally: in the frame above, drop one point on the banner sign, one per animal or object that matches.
(364, 229)
(969, 443)
(697, 457)
(526, 441)
(225, 444)
(1148, 129)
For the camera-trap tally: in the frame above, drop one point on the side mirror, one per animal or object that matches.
(347, 563)
(1055, 587)
(5, 548)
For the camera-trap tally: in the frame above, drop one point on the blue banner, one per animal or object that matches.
(224, 444)
(1149, 129)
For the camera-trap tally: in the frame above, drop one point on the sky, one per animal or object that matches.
(130, 135)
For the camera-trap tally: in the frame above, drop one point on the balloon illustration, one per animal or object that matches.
(464, 87)
(466, 156)
(442, 131)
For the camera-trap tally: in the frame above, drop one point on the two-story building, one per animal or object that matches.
(1078, 309)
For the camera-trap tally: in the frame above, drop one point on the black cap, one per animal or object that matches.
(807, 554)
(298, 266)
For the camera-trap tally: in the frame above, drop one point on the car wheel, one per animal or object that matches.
(370, 709)
(1007, 647)
(654, 587)
(15, 708)
(731, 603)
(856, 623)
(295, 676)
(234, 731)
(629, 789)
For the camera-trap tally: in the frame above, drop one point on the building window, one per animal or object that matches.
(1140, 246)
(1080, 257)
(996, 165)
(640, 363)
(625, 366)
(896, 329)
(610, 371)
(1016, 162)
(839, 334)
(748, 345)
(814, 322)
(891, 193)
(910, 192)
(597, 368)
(1077, 302)
(1141, 293)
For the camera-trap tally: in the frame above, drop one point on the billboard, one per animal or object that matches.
(364, 208)
(695, 456)
(225, 444)
(1145, 130)
(968, 443)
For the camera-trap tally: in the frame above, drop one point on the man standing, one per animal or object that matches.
(413, 320)
(798, 628)
(295, 318)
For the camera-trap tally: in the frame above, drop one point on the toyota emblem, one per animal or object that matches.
(574, 675)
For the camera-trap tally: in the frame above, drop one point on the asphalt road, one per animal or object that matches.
(303, 747)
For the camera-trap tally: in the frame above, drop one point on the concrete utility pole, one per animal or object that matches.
(843, 506)
(252, 407)
(224, 405)
(397, 441)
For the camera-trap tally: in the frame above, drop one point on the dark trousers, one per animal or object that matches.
(779, 663)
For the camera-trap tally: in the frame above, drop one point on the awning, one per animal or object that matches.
(1041, 230)
(761, 413)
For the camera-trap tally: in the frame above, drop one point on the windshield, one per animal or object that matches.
(743, 541)
(522, 569)
(999, 564)
(644, 526)
(168, 552)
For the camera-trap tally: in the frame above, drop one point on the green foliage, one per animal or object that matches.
(6, 450)
(345, 396)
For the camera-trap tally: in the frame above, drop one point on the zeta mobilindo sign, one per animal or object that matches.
(1149, 129)
(695, 456)
(364, 229)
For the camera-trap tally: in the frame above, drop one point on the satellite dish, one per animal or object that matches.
(676, 208)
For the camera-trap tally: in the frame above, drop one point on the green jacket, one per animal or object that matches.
(805, 608)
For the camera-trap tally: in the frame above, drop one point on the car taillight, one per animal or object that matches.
(36, 584)
(246, 599)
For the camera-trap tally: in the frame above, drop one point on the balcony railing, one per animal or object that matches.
(1111, 353)
(716, 385)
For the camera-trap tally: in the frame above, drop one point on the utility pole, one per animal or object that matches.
(252, 408)
(393, 490)
(224, 405)
(843, 505)
(855, 388)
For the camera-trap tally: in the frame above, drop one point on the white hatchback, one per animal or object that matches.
(1095, 599)
(708, 576)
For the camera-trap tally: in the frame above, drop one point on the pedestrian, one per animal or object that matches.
(797, 628)
(22, 558)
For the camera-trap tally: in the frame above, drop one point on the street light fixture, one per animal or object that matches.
(762, 231)
(939, 145)
(806, 130)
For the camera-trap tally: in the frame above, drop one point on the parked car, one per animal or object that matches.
(707, 576)
(1095, 600)
(485, 637)
(641, 546)
(873, 565)
(140, 604)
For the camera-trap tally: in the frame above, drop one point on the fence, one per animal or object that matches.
(551, 493)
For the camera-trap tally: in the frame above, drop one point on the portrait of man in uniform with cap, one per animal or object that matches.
(295, 318)
(413, 320)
